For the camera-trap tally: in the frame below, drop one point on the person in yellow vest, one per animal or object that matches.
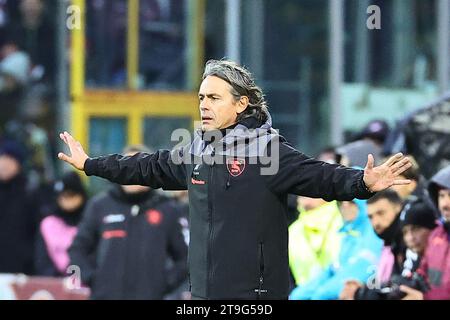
(314, 239)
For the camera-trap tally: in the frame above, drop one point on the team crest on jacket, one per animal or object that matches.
(235, 166)
(154, 217)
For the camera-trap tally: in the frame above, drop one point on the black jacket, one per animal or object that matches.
(124, 244)
(17, 227)
(238, 225)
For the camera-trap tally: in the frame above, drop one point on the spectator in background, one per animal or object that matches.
(329, 155)
(416, 190)
(181, 202)
(360, 249)
(162, 43)
(14, 76)
(435, 265)
(59, 228)
(34, 31)
(369, 141)
(17, 221)
(416, 223)
(314, 241)
(384, 214)
(124, 241)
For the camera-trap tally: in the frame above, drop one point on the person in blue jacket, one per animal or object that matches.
(359, 254)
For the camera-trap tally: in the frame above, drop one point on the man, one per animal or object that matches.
(412, 227)
(383, 210)
(238, 186)
(125, 241)
(17, 215)
(435, 265)
(360, 249)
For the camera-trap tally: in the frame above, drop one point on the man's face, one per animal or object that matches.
(31, 8)
(381, 214)
(70, 201)
(9, 168)
(218, 107)
(135, 189)
(444, 203)
(416, 238)
(349, 210)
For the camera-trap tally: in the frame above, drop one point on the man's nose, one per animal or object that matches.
(203, 106)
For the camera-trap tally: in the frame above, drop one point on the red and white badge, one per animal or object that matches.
(235, 166)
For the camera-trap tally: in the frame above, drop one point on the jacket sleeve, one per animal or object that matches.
(84, 246)
(302, 175)
(162, 169)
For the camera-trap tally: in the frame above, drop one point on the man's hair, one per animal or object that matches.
(242, 84)
(413, 172)
(389, 195)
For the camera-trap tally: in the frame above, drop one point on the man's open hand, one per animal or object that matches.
(386, 175)
(77, 156)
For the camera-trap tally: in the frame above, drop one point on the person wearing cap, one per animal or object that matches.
(415, 223)
(17, 215)
(368, 141)
(58, 229)
(125, 241)
(435, 265)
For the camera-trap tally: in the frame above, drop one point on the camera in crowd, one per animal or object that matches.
(392, 290)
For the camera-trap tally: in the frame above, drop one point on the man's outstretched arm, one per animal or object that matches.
(156, 170)
(302, 175)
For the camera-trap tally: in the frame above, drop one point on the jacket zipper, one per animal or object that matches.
(210, 207)
(261, 271)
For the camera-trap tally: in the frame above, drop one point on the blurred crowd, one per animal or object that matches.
(27, 83)
(393, 246)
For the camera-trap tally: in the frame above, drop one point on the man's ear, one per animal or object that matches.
(242, 104)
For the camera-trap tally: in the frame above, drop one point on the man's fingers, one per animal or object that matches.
(394, 159)
(399, 170)
(63, 138)
(71, 142)
(370, 162)
(401, 182)
(400, 163)
(64, 157)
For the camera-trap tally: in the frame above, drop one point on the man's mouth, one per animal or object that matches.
(204, 118)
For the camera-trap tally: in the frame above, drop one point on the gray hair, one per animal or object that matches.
(242, 84)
